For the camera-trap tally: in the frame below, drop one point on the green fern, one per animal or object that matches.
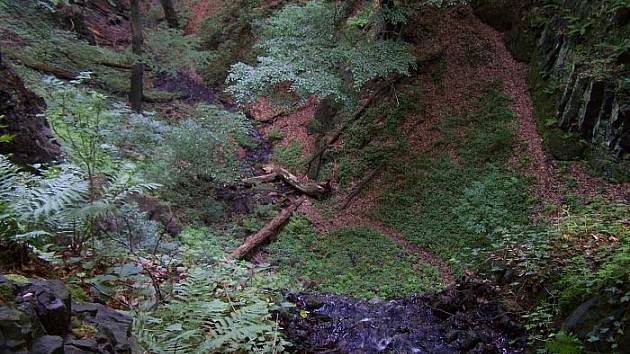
(212, 312)
(35, 207)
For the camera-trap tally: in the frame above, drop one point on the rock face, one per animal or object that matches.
(38, 317)
(593, 106)
(20, 107)
(465, 318)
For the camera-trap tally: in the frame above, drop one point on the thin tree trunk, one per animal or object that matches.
(170, 13)
(137, 82)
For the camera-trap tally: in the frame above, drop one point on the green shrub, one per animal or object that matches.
(302, 47)
(274, 134)
(289, 156)
(564, 343)
(198, 155)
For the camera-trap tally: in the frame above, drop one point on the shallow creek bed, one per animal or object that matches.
(464, 318)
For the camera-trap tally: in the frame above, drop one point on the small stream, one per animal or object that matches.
(464, 318)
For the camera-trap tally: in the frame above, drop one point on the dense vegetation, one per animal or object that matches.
(142, 210)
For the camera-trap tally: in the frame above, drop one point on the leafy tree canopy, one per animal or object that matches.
(309, 49)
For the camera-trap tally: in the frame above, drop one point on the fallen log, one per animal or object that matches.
(120, 65)
(305, 186)
(261, 179)
(52, 70)
(269, 230)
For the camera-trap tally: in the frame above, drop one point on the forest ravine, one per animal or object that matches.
(391, 176)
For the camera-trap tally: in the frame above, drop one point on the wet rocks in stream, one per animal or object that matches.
(464, 318)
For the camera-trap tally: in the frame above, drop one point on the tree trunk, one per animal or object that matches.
(271, 229)
(305, 186)
(137, 83)
(170, 13)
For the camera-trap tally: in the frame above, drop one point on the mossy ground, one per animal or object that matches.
(359, 262)
(446, 205)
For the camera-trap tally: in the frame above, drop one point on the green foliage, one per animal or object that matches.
(303, 48)
(36, 24)
(202, 246)
(223, 308)
(599, 46)
(474, 190)
(198, 155)
(564, 343)
(494, 202)
(289, 156)
(168, 50)
(584, 254)
(372, 141)
(274, 134)
(203, 147)
(16, 278)
(36, 206)
(358, 262)
(4, 138)
(228, 35)
(81, 119)
(7, 298)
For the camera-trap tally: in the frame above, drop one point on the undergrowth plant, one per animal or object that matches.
(584, 255)
(359, 262)
(221, 306)
(38, 209)
(197, 156)
(471, 186)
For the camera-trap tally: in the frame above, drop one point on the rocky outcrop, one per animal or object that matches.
(21, 109)
(511, 17)
(38, 317)
(594, 104)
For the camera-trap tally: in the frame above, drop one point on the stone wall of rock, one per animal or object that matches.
(38, 317)
(21, 108)
(594, 106)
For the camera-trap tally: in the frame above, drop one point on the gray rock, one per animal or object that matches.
(114, 327)
(568, 116)
(605, 112)
(51, 302)
(83, 346)
(593, 100)
(582, 319)
(618, 132)
(48, 345)
(16, 330)
(42, 316)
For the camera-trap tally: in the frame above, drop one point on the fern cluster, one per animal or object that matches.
(37, 206)
(223, 308)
